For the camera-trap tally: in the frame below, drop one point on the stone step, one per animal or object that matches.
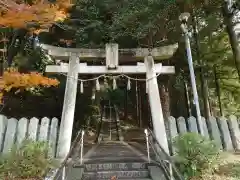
(115, 166)
(129, 174)
(130, 179)
(142, 148)
(108, 128)
(110, 159)
(112, 131)
(111, 151)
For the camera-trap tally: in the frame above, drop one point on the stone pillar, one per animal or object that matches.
(66, 126)
(155, 104)
(112, 56)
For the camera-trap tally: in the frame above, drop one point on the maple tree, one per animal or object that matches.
(14, 80)
(36, 17)
(39, 13)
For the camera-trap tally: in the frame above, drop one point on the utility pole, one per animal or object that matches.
(188, 104)
(203, 81)
(183, 18)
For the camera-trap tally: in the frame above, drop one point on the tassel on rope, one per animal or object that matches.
(114, 83)
(93, 96)
(97, 85)
(146, 86)
(81, 87)
(129, 84)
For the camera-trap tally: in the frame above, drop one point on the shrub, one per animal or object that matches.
(195, 154)
(29, 160)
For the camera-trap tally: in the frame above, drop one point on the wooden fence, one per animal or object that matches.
(13, 131)
(224, 131)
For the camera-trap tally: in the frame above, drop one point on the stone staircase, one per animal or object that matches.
(127, 171)
(108, 160)
(115, 159)
(109, 131)
(111, 158)
(110, 127)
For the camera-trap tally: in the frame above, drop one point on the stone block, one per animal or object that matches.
(21, 130)
(10, 136)
(43, 131)
(3, 126)
(173, 127)
(33, 129)
(173, 131)
(225, 133)
(181, 125)
(215, 132)
(205, 127)
(192, 122)
(235, 131)
(53, 137)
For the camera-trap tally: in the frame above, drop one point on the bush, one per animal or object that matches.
(26, 161)
(195, 154)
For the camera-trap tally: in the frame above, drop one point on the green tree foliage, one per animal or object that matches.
(217, 51)
(154, 23)
(130, 23)
(151, 23)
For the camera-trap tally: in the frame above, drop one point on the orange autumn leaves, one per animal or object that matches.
(18, 14)
(13, 80)
(42, 13)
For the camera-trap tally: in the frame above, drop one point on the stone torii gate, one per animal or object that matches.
(111, 53)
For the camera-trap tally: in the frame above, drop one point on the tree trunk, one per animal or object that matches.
(164, 96)
(140, 104)
(228, 19)
(137, 104)
(1, 67)
(206, 99)
(126, 103)
(146, 116)
(15, 45)
(218, 91)
(177, 100)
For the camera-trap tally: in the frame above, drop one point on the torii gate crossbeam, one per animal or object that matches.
(84, 69)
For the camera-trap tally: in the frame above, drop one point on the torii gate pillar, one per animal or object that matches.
(68, 111)
(155, 104)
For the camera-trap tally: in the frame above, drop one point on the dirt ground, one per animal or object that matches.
(231, 157)
(229, 168)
